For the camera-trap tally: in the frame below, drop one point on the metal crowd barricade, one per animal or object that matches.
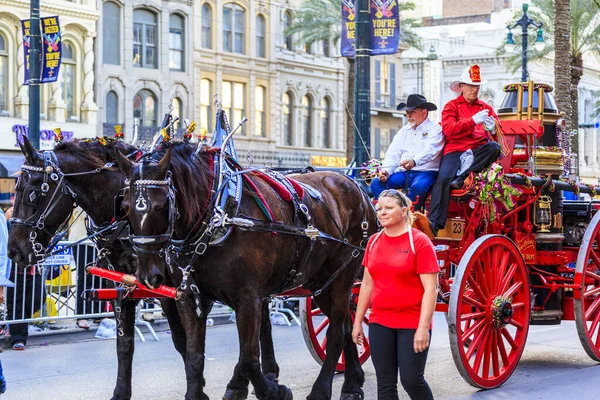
(52, 292)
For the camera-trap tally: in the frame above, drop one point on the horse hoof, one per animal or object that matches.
(235, 395)
(285, 393)
(351, 396)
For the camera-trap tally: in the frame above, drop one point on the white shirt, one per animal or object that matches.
(4, 261)
(424, 145)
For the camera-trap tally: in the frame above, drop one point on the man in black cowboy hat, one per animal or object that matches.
(413, 159)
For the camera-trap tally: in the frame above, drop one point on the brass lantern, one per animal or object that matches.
(543, 213)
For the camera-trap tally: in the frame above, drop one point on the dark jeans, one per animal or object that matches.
(84, 255)
(483, 156)
(419, 185)
(2, 380)
(392, 350)
(19, 302)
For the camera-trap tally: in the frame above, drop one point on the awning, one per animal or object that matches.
(10, 162)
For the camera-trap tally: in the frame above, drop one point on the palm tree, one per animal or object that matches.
(584, 38)
(317, 20)
(562, 60)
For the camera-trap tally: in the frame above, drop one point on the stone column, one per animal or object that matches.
(89, 109)
(22, 97)
(56, 107)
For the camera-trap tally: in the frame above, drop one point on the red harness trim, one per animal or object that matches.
(259, 195)
(279, 188)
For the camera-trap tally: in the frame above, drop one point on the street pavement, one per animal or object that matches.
(553, 366)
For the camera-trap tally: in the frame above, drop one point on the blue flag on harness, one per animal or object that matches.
(222, 129)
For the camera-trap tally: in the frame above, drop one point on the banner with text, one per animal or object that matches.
(384, 25)
(52, 49)
(25, 24)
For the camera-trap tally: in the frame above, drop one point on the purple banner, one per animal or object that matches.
(348, 28)
(384, 23)
(52, 47)
(385, 26)
(27, 47)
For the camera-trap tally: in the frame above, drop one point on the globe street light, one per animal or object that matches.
(539, 44)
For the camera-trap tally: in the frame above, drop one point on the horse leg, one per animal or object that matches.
(237, 388)
(354, 376)
(125, 347)
(177, 332)
(249, 318)
(195, 345)
(334, 303)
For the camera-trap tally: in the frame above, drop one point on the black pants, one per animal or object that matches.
(392, 350)
(84, 255)
(19, 302)
(483, 156)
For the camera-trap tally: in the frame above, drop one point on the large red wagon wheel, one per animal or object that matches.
(314, 327)
(488, 315)
(587, 299)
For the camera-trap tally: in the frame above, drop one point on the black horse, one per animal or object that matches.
(249, 267)
(84, 176)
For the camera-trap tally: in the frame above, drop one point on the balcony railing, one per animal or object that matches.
(383, 101)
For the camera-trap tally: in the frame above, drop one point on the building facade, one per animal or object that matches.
(459, 45)
(69, 103)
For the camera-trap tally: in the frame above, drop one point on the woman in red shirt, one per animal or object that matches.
(400, 283)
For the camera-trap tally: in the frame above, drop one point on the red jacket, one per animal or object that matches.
(460, 130)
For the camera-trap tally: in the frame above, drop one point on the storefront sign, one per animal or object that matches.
(46, 136)
(384, 23)
(328, 161)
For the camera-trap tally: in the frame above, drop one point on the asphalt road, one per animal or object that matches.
(553, 366)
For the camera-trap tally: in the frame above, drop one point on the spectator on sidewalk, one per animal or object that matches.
(4, 274)
(25, 298)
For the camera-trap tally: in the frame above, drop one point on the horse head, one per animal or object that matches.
(163, 203)
(51, 183)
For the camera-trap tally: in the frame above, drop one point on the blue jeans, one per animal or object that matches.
(2, 380)
(419, 185)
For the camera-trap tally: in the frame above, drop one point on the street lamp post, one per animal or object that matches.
(34, 74)
(539, 44)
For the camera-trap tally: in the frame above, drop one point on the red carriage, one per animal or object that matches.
(513, 253)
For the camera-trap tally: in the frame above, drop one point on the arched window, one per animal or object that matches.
(3, 74)
(307, 110)
(288, 43)
(325, 122)
(111, 33)
(176, 42)
(234, 102)
(260, 36)
(177, 112)
(68, 79)
(287, 107)
(206, 26)
(234, 27)
(112, 107)
(206, 105)
(260, 120)
(145, 39)
(145, 108)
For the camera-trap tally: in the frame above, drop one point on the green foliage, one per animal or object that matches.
(585, 30)
(322, 19)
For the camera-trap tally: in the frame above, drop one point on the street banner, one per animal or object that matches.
(384, 27)
(348, 28)
(26, 47)
(51, 49)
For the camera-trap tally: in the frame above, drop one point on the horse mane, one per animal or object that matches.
(191, 179)
(91, 154)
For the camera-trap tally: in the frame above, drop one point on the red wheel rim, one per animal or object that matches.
(489, 311)
(587, 300)
(316, 327)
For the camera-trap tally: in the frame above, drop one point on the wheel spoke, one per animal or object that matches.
(592, 308)
(475, 343)
(509, 338)
(324, 343)
(500, 278)
(595, 257)
(487, 349)
(482, 278)
(592, 292)
(322, 326)
(516, 286)
(467, 334)
(509, 275)
(480, 351)
(473, 302)
(314, 312)
(502, 349)
(495, 366)
(518, 305)
(594, 326)
(515, 323)
(470, 316)
(475, 286)
(592, 275)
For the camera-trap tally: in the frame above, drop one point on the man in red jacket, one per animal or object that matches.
(468, 124)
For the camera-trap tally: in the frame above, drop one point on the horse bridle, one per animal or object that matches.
(33, 195)
(142, 204)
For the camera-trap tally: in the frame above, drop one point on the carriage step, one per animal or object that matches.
(546, 317)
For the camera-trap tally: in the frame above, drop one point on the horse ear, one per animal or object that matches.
(125, 165)
(30, 153)
(165, 162)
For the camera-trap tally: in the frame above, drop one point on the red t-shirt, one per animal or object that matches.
(460, 130)
(397, 288)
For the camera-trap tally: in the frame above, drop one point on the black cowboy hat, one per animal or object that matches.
(416, 101)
